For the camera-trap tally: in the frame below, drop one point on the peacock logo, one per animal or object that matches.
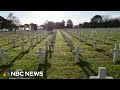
(6, 74)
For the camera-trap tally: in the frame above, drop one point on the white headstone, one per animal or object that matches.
(4, 55)
(23, 37)
(101, 74)
(119, 43)
(13, 43)
(115, 50)
(31, 41)
(77, 51)
(22, 44)
(40, 52)
(8, 39)
(94, 44)
(85, 39)
(104, 37)
(37, 38)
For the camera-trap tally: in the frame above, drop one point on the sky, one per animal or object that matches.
(39, 17)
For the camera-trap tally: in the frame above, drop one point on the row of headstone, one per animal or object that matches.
(116, 50)
(76, 51)
(83, 33)
(48, 47)
(68, 41)
(85, 38)
(50, 41)
(3, 53)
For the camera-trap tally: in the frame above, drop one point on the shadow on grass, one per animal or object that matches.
(3, 67)
(11, 48)
(109, 44)
(34, 45)
(72, 48)
(44, 67)
(86, 67)
(113, 40)
(26, 41)
(5, 45)
(50, 54)
(104, 52)
(89, 45)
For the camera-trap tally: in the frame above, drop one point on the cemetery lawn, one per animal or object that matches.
(60, 62)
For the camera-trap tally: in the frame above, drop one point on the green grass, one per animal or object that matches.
(60, 62)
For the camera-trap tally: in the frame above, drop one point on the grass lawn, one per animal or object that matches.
(59, 63)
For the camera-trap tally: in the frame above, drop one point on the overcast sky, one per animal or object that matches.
(39, 17)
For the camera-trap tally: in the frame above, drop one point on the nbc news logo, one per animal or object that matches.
(21, 73)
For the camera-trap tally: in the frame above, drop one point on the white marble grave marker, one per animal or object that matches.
(22, 44)
(40, 52)
(13, 42)
(22, 37)
(115, 50)
(4, 55)
(77, 51)
(119, 43)
(8, 39)
(85, 39)
(104, 37)
(101, 74)
(94, 44)
(31, 42)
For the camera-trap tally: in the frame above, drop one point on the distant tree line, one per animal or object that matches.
(7, 24)
(50, 25)
(13, 23)
(99, 21)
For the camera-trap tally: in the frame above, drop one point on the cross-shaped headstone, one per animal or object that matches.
(31, 41)
(22, 37)
(37, 38)
(85, 39)
(94, 43)
(47, 45)
(9, 39)
(101, 74)
(108, 35)
(77, 51)
(115, 50)
(104, 37)
(22, 44)
(94, 36)
(40, 52)
(4, 55)
(13, 42)
(119, 43)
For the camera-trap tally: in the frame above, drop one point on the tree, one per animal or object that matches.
(63, 24)
(69, 24)
(7, 24)
(35, 26)
(26, 25)
(13, 21)
(32, 26)
(97, 19)
(80, 25)
(1, 21)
